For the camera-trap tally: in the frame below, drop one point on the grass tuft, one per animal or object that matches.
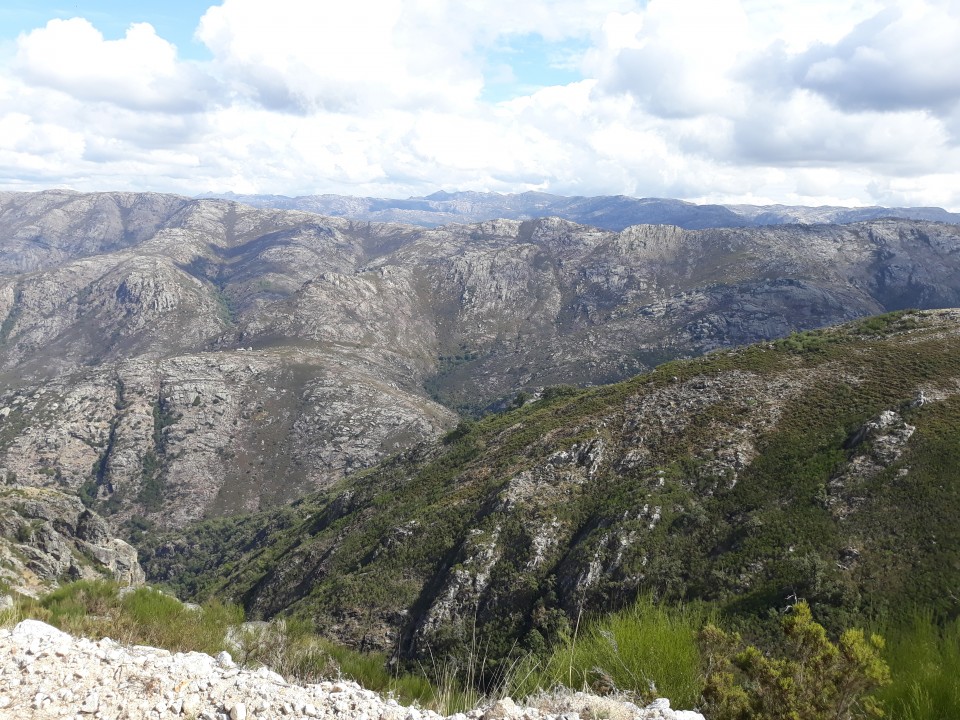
(97, 608)
(645, 651)
(924, 660)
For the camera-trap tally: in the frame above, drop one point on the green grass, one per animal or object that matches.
(292, 648)
(648, 650)
(924, 659)
(145, 616)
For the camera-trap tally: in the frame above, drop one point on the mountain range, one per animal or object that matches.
(170, 359)
(611, 212)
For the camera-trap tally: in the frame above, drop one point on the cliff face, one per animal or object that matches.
(171, 358)
(47, 537)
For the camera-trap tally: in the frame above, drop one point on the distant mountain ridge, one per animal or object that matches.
(610, 212)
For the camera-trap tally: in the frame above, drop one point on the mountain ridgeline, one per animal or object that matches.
(611, 212)
(170, 359)
(822, 466)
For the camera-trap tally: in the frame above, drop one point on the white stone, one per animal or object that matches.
(36, 629)
(503, 709)
(238, 712)
(91, 704)
(191, 705)
(224, 660)
(269, 674)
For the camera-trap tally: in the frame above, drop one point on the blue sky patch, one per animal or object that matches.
(523, 64)
(174, 20)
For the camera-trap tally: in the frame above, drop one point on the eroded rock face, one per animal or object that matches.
(225, 432)
(875, 446)
(47, 536)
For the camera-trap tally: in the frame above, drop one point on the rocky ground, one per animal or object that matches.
(45, 673)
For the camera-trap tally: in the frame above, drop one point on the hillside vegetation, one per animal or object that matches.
(822, 466)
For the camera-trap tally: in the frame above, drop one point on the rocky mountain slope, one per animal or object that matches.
(123, 377)
(821, 466)
(610, 212)
(47, 536)
(169, 359)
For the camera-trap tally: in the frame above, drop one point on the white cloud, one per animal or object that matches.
(812, 101)
(799, 25)
(804, 129)
(904, 57)
(38, 145)
(353, 57)
(676, 60)
(140, 71)
(322, 56)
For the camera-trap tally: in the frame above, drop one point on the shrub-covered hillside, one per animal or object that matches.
(823, 466)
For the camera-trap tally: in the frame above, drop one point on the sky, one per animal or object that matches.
(811, 102)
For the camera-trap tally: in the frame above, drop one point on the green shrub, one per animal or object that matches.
(557, 392)
(808, 341)
(880, 325)
(814, 679)
(520, 399)
(463, 428)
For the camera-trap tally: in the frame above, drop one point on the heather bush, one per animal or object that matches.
(812, 679)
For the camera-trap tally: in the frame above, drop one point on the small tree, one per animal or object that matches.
(815, 680)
